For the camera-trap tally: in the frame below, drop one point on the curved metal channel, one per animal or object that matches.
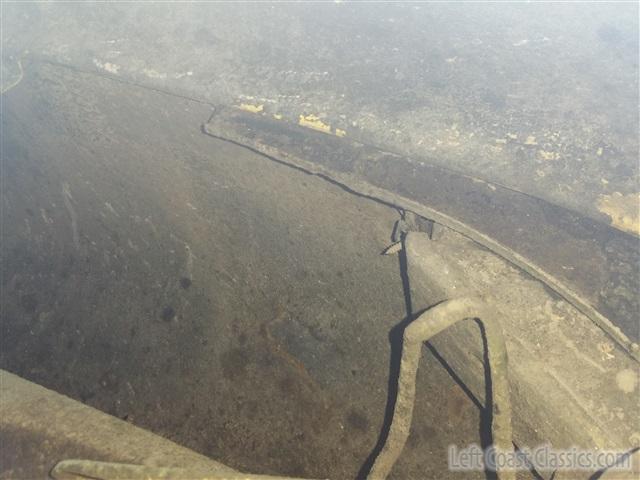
(576, 257)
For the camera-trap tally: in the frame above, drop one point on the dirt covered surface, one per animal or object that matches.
(234, 305)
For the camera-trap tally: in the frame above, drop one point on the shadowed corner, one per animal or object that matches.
(395, 343)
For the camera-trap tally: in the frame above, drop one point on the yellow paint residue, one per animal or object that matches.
(151, 73)
(624, 210)
(340, 132)
(548, 155)
(314, 122)
(277, 116)
(248, 107)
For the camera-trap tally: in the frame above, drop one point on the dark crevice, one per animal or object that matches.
(298, 168)
(395, 342)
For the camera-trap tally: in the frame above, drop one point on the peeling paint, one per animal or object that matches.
(624, 210)
(249, 107)
(548, 155)
(313, 121)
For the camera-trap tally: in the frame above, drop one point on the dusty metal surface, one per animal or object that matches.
(572, 146)
(592, 265)
(179, 282)
(538, 96)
